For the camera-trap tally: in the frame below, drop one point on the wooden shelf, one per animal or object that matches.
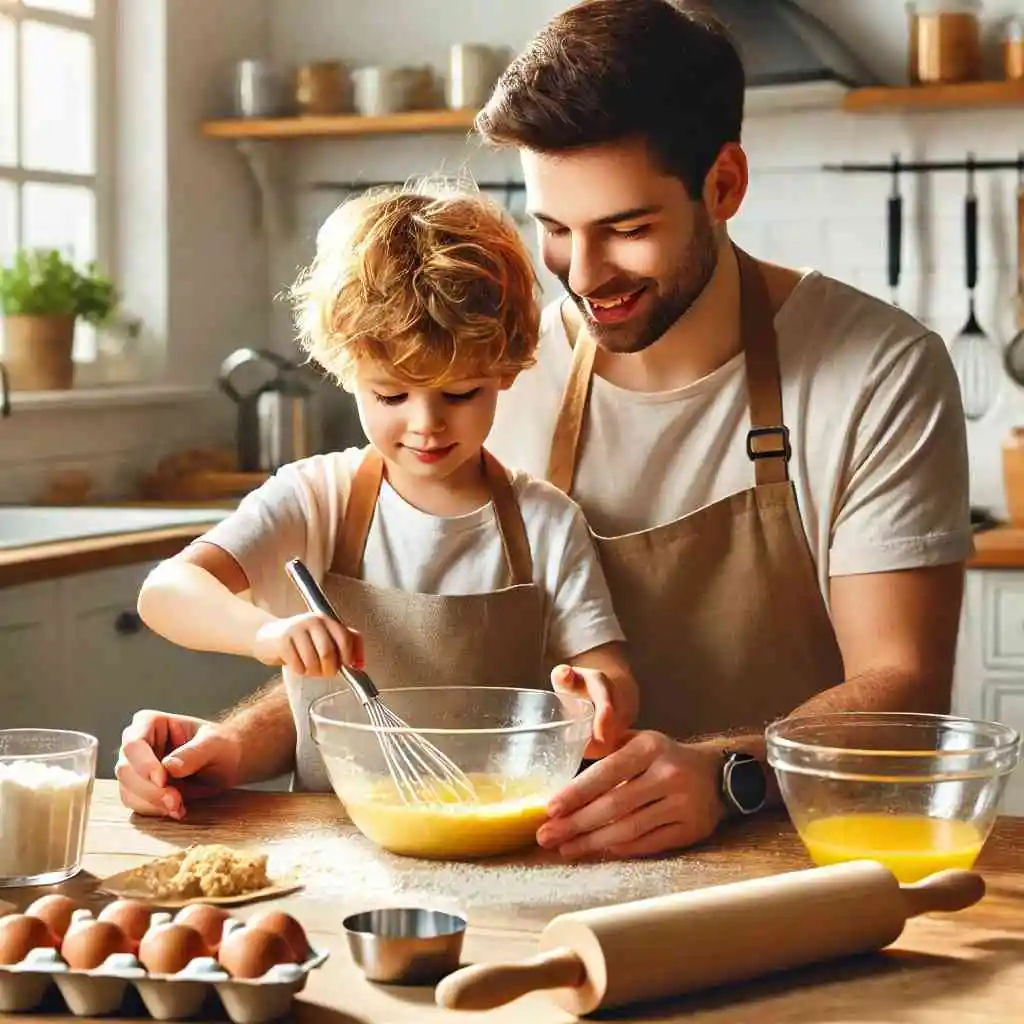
(340, 125)
(965, 96)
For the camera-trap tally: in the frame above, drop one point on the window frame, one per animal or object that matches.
(102, 27)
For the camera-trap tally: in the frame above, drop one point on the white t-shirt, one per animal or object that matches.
(876, 425)
(299, 511)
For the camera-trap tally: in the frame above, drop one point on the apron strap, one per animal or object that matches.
(768, 439)
(565, 444)
(768, 445)
(362, 503)
(510, 521)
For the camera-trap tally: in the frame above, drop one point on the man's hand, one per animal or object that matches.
(652, 794)
(166, 760)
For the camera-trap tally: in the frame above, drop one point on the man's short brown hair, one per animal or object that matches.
(610, 70)
(431, 282)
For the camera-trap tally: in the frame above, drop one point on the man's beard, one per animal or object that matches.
(685, 285)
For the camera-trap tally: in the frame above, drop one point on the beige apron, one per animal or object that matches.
(485, 639)
(725, 621)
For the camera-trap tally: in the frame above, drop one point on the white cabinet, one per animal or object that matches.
(989, 681)
(74, 654)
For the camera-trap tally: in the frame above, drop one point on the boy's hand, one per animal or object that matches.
(308, 645)
(610, 720)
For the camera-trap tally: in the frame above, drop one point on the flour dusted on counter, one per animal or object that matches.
(43, 810)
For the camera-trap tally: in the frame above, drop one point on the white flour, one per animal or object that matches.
(42, 817)
(350, 865)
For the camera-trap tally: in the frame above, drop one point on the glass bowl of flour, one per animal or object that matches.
(46, 779)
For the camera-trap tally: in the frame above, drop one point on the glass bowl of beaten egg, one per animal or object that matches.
(518, 747)
(919, 793)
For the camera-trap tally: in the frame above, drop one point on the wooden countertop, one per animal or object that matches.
(999, 548)
(65, 558)
(944, 969)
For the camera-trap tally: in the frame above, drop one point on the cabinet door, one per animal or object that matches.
(31, 685)
(123, 666)
(1003, 701)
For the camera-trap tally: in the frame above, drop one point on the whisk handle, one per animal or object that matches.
(316, 601)
(315, 598)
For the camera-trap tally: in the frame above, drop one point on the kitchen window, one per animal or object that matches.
(56, 123)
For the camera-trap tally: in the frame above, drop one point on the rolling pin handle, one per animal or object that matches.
(943, 892)
(485, 986)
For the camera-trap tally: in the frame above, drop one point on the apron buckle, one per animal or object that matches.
(782, 452)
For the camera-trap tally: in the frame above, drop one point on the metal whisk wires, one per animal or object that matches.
(420, 771)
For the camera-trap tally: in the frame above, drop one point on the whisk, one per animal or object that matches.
(420, 771)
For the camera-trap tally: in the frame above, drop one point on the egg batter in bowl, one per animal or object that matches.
(504, 817)
(518, 747)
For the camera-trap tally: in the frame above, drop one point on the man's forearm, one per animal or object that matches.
(266, 727)
(880, 690)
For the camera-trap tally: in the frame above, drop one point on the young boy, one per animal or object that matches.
(444, 567)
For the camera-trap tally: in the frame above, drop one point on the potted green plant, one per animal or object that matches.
(42, 295)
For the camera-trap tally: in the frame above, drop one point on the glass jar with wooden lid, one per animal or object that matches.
(945, 41)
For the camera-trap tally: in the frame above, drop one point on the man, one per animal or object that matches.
(773, 463)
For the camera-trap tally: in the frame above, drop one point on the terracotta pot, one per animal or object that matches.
(37, 352)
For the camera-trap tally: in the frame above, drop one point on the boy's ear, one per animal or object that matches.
(506, 380)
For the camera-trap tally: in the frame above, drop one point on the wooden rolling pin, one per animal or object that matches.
(671, 945)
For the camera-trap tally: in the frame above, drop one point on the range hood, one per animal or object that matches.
(791, 58)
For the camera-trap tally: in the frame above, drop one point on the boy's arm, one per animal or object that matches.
(193, 600)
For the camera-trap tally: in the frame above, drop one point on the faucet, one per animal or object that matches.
(5, 392)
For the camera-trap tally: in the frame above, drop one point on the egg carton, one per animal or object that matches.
(102, 990)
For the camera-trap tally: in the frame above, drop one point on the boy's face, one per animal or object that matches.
(427, 432)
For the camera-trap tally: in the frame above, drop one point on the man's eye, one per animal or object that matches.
(461, 396)
(637, 232)
(390, 399)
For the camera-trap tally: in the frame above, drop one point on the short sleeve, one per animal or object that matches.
(582, 616)
(904, 495)
(295, 514)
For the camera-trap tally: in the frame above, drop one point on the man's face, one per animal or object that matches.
(630, 246)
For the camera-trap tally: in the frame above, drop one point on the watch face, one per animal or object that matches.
(744, 783)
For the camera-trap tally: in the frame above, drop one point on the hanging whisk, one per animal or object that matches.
(420, 771)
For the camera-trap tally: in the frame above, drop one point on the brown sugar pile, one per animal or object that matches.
(211, 870)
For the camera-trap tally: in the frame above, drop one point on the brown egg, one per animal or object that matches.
(54, 911)
(19, 934)
(169, 948)
(207, 920)
(88, 944)
(280, 923)
(251, 952)
(131, 916)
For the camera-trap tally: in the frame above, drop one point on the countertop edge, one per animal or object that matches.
(69, 558)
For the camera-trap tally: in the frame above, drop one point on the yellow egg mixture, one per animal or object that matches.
(504, 817)
(910, 846)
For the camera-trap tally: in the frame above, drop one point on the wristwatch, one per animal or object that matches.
(744, 786)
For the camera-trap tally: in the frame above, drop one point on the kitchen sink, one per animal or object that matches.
(26, 525)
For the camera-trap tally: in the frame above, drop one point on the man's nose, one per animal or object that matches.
(586, 267)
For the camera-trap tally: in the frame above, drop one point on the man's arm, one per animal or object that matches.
(265, 728)
(897, 634)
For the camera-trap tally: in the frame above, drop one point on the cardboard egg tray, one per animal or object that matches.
(103, 990)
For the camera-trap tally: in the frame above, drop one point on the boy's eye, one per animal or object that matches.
(390, 399)
(461, 396)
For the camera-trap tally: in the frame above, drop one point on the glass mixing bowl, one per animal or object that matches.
(518, 747)
(46, 780)
(917, 792)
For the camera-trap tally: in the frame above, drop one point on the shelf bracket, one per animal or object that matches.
(271, 212)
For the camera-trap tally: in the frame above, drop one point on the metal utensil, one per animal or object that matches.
(976, 357)
(405, 945)
(895, 232)
(1013, 358)
(421, 773)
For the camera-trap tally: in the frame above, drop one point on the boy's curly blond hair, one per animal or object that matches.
(433, 283)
